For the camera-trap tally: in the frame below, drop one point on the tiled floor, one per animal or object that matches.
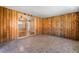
(41, 44)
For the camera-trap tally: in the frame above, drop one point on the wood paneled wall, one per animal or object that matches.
(38, 25)
(64, 26)
(47, 25)
(9, 29)
(77, 26)
(8, 25)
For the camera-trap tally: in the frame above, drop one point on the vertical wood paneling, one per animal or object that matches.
(49, 26)
(52, 21)
(4, 24)
(1, 25)
(7, 24)
(64, 26)
(77, 26)
(45, 26)
(32, 27)
(58, 26)
(38, 25)
(10, 25)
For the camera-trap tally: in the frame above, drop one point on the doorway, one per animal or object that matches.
(26, 25)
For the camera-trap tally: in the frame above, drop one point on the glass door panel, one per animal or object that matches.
(22, 26)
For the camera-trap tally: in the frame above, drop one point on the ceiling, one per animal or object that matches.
(45, 11)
